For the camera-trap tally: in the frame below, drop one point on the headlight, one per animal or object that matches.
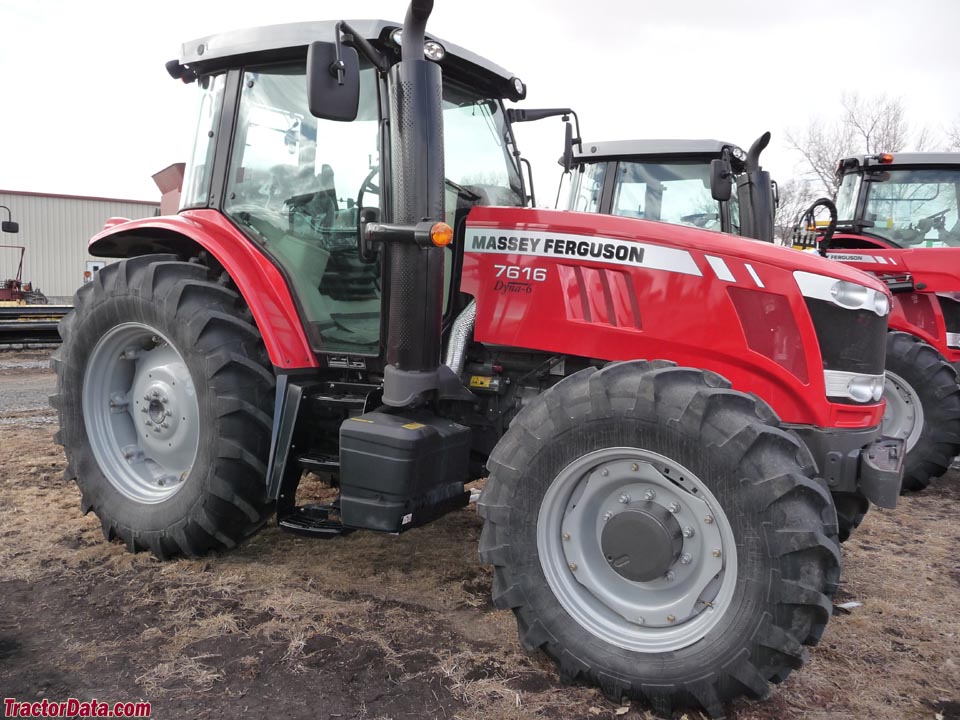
(865, 388)
(881, 305)
(433, 50)
(846, 294)
(849, 294)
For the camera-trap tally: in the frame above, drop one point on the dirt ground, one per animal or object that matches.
(373, 626)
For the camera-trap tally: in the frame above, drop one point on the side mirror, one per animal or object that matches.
(567, 146)
(333, 83)
(720, 176)
(9, 226)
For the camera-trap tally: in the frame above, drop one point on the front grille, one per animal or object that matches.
(951, 313)
(850, 340)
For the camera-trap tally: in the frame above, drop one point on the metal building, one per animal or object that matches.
(55, 229)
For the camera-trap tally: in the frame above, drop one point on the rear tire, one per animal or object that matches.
(140, 327)
(780, 567)
(922, 386)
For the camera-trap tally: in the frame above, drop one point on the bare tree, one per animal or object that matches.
(796, 195)
(867, 125)
(953, 136)
(822, 145)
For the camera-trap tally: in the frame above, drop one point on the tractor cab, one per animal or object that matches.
(708, 184)
(902, 201)
(301, 186)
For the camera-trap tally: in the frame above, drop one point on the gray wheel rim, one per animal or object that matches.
(141, 412)
(903, 415)
(664, 614)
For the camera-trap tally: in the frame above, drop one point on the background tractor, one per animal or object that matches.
(896, 217)
(717, 186)
(354, 209)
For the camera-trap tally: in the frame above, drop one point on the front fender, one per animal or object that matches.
(258, 280)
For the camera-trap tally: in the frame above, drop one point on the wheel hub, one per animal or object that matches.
(637, 549)
(141, 412)
(903, 414)
(641, 543)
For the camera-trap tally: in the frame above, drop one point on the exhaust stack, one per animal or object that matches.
(416, 273)
(755, 190)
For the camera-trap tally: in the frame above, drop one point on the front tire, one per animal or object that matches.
(165, 401)
(923, 408)
(642, 445)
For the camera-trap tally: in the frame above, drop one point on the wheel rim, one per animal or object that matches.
(903, 415)
(141, 412)
(671, 611)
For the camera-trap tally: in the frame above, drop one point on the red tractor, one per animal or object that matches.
(896, 218)
(354, 208)
(717, 186)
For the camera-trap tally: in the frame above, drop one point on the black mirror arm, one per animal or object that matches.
(347, 35)
(532, 197)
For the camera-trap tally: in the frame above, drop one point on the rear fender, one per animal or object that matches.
(257, 279)
(682, 300)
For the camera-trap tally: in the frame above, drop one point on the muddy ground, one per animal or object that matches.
(372, 626)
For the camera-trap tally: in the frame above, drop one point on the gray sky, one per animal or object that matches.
(87, 107)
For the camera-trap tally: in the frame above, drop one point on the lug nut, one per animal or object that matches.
(147, 398)
(641, 621)
(624, 498)
(161, 482)
(716, 552)
(687, 531)
(165, 424)
(671, 576)
(573, 567)
(686, 559)
(143, 409)
(674, 508)
(163, 399)
(708, 519)
(148, 423)
(634, 467)
(566, 536)
(604, 472)
(649, 495)
(607, 515)
(671, 618)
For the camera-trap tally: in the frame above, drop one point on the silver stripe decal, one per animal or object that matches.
(953, 340)
(846, 257)
(720, 268)
(591, 248)
(753, 274)
(882, 260)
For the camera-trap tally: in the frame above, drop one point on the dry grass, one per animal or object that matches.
(402, 626)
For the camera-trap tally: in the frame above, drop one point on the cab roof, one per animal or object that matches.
(289, 41)
(904, 158)
(628, 148)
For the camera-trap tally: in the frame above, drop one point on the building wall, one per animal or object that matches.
(55, 230)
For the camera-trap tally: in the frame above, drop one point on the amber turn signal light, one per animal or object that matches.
(441, 234)
(885, 158)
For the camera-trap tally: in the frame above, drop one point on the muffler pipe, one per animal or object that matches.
(417, 194)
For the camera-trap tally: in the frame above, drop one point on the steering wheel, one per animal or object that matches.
(367, 253)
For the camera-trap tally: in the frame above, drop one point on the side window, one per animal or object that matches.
(296, 185)
(196, 181)
(587, 186)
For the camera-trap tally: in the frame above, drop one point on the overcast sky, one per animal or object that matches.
(87, 107)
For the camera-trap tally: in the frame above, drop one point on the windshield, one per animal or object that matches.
(676, 192)
(914, 207)
(476, 148)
